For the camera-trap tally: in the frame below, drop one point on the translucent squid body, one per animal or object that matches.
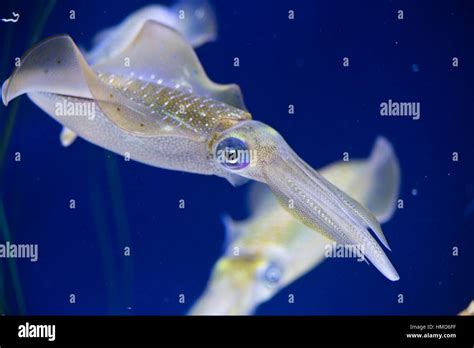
(271, 249)
(153, 101)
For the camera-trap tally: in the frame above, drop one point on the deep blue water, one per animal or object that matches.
(282, 62)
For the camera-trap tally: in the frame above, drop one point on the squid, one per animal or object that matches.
(153, 102)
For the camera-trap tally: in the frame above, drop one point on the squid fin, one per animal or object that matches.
(50, 67)
(383, 172)
(57, 66)
(160, 52)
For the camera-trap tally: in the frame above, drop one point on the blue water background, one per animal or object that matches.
(282, 62)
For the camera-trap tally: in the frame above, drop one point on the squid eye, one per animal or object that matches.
(233, 153)
(272, 274)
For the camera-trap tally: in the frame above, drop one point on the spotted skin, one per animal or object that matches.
(173, 107)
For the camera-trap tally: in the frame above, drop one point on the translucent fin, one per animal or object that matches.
(160, 52)
(67, 137)
(53, 66)
(383, 172)
(57, 66)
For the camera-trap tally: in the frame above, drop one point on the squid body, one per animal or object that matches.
(152, 101)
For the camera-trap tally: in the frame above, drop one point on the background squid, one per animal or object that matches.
(154, 103)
